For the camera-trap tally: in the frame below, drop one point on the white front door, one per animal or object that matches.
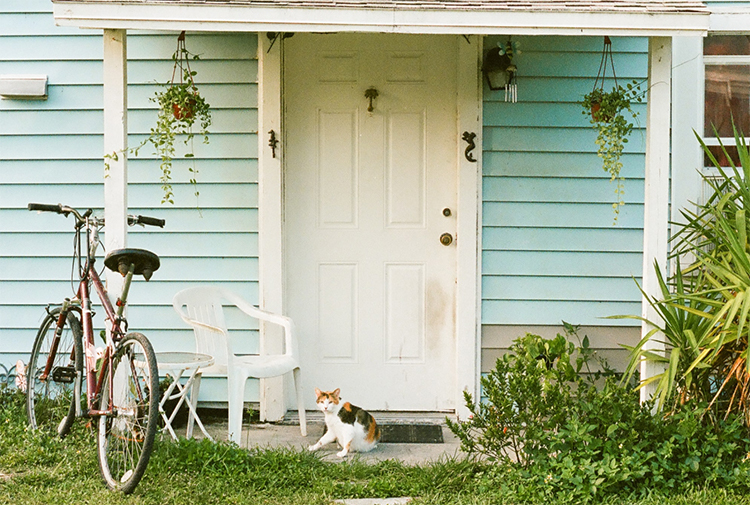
(368, 194)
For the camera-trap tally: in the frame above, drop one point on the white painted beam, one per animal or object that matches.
(656, 198)
(272, 404)
(468, 333)
(115, 141)
(211, 17)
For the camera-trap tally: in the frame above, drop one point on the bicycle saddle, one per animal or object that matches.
(119, 260)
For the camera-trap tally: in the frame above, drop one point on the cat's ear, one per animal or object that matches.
(337, 392)
(318, 392)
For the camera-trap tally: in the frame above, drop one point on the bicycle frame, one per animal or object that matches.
(116, 324)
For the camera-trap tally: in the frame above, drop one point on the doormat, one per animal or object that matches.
(411, 433)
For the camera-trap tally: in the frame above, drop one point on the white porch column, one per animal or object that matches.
(272, 404)
(656, 198)
(115, 141)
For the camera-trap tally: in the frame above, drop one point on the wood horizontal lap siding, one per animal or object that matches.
(41, 143)
(51, 151)
(549, 250)
(499, 338)
(217, 243)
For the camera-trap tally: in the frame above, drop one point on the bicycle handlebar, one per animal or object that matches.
(45, 207)
(65, 210)
(150, 221)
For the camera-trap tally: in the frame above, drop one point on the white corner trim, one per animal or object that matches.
(468, 237)
(688, 74)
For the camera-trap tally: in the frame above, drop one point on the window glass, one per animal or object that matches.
(718, 153)
(727, 99)
(726, 45)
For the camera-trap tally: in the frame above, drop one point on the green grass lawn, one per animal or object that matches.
(38, 469)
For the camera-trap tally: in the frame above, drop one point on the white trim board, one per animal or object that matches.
(656, 192)
(238, 18)
(270, 240)
(468, 234)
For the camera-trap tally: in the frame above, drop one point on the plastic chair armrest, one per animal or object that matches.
(253, 311)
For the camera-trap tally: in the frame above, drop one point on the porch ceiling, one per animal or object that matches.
(532, 17)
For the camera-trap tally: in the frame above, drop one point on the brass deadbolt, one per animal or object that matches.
(447, 212)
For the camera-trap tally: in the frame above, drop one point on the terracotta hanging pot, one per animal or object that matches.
(184, 112)
(596, 115)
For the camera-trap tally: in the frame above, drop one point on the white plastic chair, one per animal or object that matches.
(202, 308)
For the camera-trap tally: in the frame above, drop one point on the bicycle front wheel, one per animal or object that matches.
(126, 436)
(50, 401)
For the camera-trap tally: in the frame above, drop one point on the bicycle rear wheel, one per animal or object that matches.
(50, 401)
(126, 437)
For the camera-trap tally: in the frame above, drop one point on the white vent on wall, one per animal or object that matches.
(23, 87)
(708, 190)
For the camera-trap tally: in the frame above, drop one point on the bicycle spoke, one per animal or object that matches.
(126, 436)
(49, 402)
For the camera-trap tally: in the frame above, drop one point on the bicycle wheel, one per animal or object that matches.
(49, 402)
(126, 437)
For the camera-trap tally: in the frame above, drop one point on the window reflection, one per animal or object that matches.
(720, 157)
(726, 45)
(727, 98)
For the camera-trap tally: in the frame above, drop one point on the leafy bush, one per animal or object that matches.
(557, 436)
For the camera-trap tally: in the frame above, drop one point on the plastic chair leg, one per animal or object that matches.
(236, 406)
(195, 388)
(300, 402)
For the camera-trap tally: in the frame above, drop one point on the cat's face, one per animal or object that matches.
(327, 401)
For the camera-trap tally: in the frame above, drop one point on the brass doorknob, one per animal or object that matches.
(446, 239)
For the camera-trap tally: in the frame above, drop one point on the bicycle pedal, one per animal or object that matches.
(65, 374)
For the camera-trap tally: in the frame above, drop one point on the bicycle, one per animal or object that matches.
(120, 383)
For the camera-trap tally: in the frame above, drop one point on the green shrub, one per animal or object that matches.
(558, 434)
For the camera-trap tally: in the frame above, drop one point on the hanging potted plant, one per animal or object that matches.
(608, 111)
(181, 109)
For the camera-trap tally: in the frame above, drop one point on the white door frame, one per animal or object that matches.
(271, 220)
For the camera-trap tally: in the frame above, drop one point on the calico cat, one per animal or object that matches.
(351, 426)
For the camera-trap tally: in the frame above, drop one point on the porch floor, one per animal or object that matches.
(286, 434)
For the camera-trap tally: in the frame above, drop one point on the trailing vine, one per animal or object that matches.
(181, 107)
(608, 117)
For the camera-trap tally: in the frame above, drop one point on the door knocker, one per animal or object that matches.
(371, 94)
(469, 137)
(273, 142)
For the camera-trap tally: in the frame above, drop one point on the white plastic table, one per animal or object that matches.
(177, 364)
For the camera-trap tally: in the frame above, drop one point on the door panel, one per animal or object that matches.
(368, 284)
(338, 169)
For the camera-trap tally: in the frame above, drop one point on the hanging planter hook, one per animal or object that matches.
(606, 57)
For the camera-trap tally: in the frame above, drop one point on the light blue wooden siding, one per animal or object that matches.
(51, 151)
(550, 250)
(727, 4)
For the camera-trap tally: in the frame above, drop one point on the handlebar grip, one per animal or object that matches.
(151, 221)
(45, 207)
